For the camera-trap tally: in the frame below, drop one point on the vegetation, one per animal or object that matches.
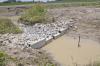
(3, 59)
(36, 14)
(6, 26)
(68, 4)
(94, 64)
(15, 3)
(77, 0)
(39, 61)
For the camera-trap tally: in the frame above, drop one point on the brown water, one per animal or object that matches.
(65, 50)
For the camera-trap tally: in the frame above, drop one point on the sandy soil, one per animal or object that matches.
(66, 51)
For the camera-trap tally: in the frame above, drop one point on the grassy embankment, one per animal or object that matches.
(15, 3)
(73, 4)
(36, 14)
(6, 26)
(60, 3)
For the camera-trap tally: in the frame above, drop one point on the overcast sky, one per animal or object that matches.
(2, 0)
(29, 0)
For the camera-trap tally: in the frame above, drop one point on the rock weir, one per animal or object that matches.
(38, 35)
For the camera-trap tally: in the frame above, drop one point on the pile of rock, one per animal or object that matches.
(36, 36)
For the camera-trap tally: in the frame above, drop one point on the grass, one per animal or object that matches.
(78, 1)
(94, 64)
(15, 3)
(6, 26)
(36, 14)
(3, 59)
(71, 4)
(66, 2)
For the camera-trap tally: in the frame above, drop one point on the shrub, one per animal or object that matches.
(36, 14)
(6, 26)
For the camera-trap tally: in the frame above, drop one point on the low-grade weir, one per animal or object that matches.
(38, 35)
(42, 34)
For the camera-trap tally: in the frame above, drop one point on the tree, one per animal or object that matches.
(11, 0)
(59, 0)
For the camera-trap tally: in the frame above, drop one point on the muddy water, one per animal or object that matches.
(65, 50)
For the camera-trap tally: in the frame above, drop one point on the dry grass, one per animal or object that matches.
(36, 14)
(6, 26)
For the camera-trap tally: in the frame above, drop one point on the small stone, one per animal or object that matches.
(1, 42)
(20, 64)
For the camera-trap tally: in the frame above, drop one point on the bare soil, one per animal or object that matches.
(87, 20)
(65, 49)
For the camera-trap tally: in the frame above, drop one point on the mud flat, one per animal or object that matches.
(65, 50)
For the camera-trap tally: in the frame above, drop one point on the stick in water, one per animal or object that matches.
(79, 41)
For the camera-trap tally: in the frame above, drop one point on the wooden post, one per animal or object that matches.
(53, 19)
(79, 42)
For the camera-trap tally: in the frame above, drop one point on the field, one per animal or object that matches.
(63, 3)
(17, 3)
(85, 16)
(78, 0)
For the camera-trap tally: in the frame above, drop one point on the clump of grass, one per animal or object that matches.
(36, 14)
(3, 59)
(96, 63)
(15, 3)
(6, 26)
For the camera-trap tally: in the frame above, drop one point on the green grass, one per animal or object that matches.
(77, 0)
(68, 2)
(3, 59)
(71, 4)
(36, 14)
(15, 3)
(6, 26)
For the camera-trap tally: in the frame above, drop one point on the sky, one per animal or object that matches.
(29, 0)
(2, 0)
